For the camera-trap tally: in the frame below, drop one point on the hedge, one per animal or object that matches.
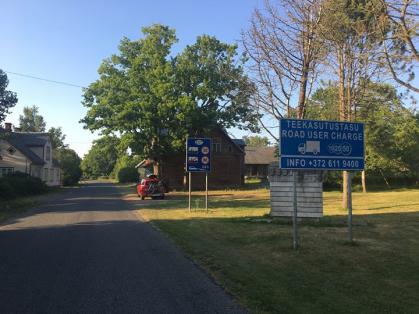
(127, 174)
(19, 184)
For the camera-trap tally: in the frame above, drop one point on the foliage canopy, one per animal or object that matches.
(154, 100)
(31, 120)
(8, 99)
(101, 158)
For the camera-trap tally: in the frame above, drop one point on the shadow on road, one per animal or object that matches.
(85, 251)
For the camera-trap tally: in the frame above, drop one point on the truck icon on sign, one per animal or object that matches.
(309, 147)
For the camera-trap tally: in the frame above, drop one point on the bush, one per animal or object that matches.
(20, 184)
(6, 190)
(70, 166)
(125, 162)
(127, 174)
(70, 179)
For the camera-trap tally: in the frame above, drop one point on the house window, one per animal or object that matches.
(46, 174)
(5, 171)
(254, 170)
(51, 175)
(48, 153)
(57, 173)
(216, 145)
(230, 149)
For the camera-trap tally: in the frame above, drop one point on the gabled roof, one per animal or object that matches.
(144, 163)
(239, 142)
(236, 142)
(22, 141)
(259, 155)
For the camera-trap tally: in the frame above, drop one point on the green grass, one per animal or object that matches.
(11, 208)
(251, 255)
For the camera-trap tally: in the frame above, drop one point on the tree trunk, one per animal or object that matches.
(348, 92)
(156, 167)
(385, 179)
(302, 94)
(342, 117)
(342, 104)
(364, 183)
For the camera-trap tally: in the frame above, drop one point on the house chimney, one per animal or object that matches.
(8, 126)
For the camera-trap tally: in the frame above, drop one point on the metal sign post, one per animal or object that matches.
(295, 211)
(190, 192)
(198, 159)
(321, 145)
(206, 191)
(349, 189)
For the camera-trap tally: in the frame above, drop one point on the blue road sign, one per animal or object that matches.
(198, 155)
(314, 144)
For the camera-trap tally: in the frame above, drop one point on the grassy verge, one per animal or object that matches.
(251, 255)
(10, 208)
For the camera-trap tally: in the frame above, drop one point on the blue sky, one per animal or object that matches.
(67, 40)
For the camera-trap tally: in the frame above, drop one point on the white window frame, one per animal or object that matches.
(4, 171)
(216, 145)
(48, 153)
(51, 175)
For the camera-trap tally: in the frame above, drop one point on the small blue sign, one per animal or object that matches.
(314, 144)
(198, 155)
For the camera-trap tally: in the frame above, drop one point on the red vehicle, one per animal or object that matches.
(150, 187)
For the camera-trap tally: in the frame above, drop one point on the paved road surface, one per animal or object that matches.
(87, 252)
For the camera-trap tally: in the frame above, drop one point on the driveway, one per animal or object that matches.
(85, 251)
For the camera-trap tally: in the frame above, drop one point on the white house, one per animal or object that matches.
(30, 153)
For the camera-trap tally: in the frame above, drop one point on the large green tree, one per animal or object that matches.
(155, 100)
(391, 130)
(57, 137)
(70, 166)
(101, 158)
(349, 31)
(256, 140)
(31, 120)
(8, 99)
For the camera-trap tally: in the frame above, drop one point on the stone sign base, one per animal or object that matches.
(309, 192)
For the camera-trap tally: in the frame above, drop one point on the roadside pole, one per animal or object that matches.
(294, 217)
(340, 146)
(198, 159)
(206, 191)
(190, 178)
(349, 189)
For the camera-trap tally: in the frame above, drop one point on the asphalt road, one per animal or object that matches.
(85, 251)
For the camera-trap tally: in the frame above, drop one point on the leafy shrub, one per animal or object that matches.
(101, 158)
(126, 161)
(20, 184)
(19, 174)
(70, 179)
(127, 174)
(70, 166)
(6, 190)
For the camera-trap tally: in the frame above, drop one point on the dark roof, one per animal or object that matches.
(24, 140)
(239, 141)
(239, 146)
(259, 155)
(144, 163)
